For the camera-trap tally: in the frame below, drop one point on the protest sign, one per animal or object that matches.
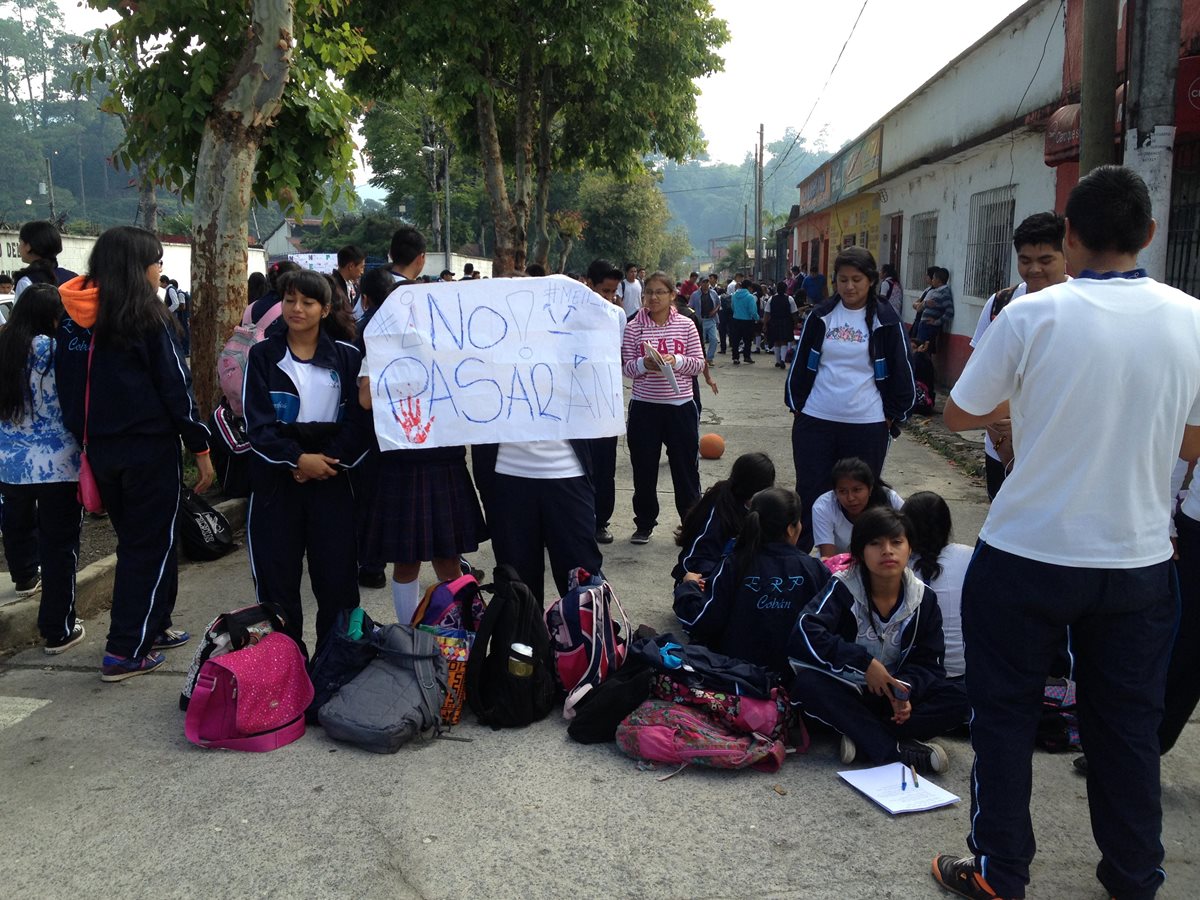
(494, 361)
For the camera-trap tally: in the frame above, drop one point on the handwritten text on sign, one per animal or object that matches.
(494, 361)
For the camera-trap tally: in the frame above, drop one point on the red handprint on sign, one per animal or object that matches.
(409, 418)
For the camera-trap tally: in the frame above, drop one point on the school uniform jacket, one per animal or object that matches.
(887, 348)
(704, 553)
(750, 615)
(830, 634)
(143, 390)
(270, 400)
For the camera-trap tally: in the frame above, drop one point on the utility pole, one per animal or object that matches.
(1150, 108)
(50, 180)
(446, 180)
(1097, 104)
(758, 207)
(746, 233)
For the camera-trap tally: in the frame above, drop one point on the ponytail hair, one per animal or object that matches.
(929, 534)
(860, 258)
(726, 500)
(37, 312)
(772, 512)
(45, 243)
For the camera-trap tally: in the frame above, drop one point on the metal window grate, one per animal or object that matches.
(1183, 236)
(922, 248)
(989, 241)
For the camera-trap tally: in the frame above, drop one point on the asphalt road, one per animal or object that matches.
(101, 795)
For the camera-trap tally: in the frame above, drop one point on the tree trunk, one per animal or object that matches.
(541, 245)
(523, 154)
(504, 254)
(147, 211)
(248, 103)
(568, 244)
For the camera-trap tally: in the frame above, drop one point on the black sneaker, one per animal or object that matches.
(372, 578)
(925, 756)
(641, 536)
(55, 647)
(751, 361)
(604, 536)
(29, 586)
(959, 876)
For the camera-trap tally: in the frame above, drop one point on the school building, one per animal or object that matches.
(943, 178)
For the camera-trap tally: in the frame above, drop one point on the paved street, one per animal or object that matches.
(102, 795)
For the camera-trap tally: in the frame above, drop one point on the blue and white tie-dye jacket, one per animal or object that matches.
(38, 448)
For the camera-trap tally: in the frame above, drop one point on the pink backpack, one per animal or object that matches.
(668, 732)
(252, 699)
(456, 604)
(235, 355)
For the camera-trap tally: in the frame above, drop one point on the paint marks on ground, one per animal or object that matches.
(15, 709)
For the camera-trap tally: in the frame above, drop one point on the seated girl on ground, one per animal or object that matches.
(708, 530)
(749, 606)
(941, 565)
(855, 490)
(867, 654)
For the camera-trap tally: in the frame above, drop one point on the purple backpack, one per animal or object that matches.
(457, 605)
(668, 732)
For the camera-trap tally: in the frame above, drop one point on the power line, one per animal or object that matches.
(1012, 165)
(820, 95)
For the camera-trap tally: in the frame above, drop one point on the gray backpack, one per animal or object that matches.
(396, 697)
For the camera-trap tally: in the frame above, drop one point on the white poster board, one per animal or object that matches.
(494, 361)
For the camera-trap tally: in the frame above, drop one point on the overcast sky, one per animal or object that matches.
(781, 51)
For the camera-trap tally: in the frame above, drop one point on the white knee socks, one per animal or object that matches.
(406, 597)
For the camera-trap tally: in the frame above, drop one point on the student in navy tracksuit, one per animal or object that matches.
(306, 428)
(708, 530)
(851, 381)
(140, 406)
(868, 651)
(748, 607)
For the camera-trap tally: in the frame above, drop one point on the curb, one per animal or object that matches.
(93, 592)
(967, 455)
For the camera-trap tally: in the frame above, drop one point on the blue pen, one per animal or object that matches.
(903, 782)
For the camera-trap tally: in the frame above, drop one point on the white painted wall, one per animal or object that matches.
(177, 258)
(947, 188)
(981, 92)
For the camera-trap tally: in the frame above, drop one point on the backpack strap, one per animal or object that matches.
(479, 652)
(1001, 300)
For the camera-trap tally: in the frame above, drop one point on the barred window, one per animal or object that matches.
(922, 248)
(989, 241)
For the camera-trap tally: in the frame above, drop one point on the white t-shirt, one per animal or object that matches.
(538, 459)
(630, 293)
(1102, 375)
(320, 389)
(829, 522)
(844, 389)
(954, 560)
(985, 319)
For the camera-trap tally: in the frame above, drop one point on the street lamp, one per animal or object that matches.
(431, 151)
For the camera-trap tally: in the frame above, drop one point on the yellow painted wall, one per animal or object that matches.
(855, 217)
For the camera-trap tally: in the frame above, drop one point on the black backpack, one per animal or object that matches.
(204, 534)
(514, 616)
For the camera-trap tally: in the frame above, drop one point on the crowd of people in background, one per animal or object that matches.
(890, 636)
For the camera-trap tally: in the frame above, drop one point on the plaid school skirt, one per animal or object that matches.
(421, 510)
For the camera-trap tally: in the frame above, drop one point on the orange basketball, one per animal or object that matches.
(712, 446)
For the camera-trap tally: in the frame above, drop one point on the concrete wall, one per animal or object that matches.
(177, 258)
(947, 188)
(980, 92)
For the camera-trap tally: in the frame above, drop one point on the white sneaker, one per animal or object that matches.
(847, 751)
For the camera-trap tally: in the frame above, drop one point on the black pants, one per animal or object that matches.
(651, 427)
(139, 480)
(816, 445)
(743, 336)
(1183, 673)
(993, 471)
(41, 525)
(725, 327)
(604, 477)
(287, 522)
(1015, 614)
(362, 483)
(866, 719)
(532, 517)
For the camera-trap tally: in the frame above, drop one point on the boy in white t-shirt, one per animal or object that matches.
(1055, 552)
(1038, 241)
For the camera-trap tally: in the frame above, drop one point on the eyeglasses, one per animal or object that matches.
(659, 293)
